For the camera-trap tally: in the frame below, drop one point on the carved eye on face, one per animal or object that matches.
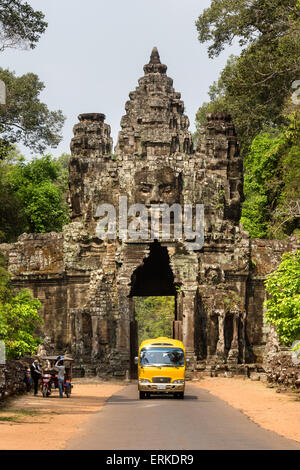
(166, 189)
(145, 189)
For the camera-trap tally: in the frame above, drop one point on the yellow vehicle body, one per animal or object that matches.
(161, 367)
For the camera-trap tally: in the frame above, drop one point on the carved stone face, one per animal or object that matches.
(156, 186)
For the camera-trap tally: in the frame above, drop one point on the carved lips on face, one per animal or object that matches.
(156, 186)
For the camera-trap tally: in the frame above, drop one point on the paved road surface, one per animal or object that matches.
(200, 421)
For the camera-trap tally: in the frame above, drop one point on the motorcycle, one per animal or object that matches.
(46, 385)
(49, 379)
(68, 387)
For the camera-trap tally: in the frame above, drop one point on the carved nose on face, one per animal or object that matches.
(155, 195)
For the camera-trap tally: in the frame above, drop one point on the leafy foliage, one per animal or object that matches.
(254, 95)
(154, 316)
(25, 119)
(283, 306)
(254, 86)
(261, 21)
(19, 319)
(13, 221)
(33, 196)
(20, 25)
(271, 183)
(256, 89)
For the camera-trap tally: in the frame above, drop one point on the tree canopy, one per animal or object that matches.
(249, 21)
(25, 119)
(32, 196)
(20, 25)
(258, 89)
(154, 316)
(255, 85)
(19, 318)
(283, 305)
(271, 183)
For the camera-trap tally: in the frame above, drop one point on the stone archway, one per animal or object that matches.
(154, 277)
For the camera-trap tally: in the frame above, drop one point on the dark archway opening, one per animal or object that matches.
(155, 276)
(153, 281)
(228, 333)
(200, 331)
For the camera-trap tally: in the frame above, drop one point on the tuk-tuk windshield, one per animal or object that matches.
(162, 356)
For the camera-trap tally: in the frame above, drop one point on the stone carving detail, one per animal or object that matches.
(87, 285)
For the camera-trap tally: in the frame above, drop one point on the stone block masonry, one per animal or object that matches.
(12, 377)
(87, 285)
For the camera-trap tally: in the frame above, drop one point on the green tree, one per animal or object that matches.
(256, 89)
(13, 221)
(25, 119)
(154, 316)
(253, 87)
(250, 22)
(283, 306)
(20, 25)
(32, 196)
(254, 104)
(19, 319)
(271, 183)
(39, 186)
(63, 179)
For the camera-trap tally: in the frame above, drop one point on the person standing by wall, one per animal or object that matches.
(61, 375)
(36, 373)
(27, 379)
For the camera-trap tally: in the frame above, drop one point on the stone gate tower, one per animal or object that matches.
(155, 163)
(88, 285)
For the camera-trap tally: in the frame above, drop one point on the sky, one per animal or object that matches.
(93, 52)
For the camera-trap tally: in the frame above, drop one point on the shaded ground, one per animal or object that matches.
(278, 412)
(37, 423)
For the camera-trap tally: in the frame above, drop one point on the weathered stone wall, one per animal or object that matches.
(278, 363)
(282, 370)
(87, 285)
(12, 377)
(265, 258)
(38, 262)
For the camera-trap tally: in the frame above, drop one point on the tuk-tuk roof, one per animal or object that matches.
(55, 358)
